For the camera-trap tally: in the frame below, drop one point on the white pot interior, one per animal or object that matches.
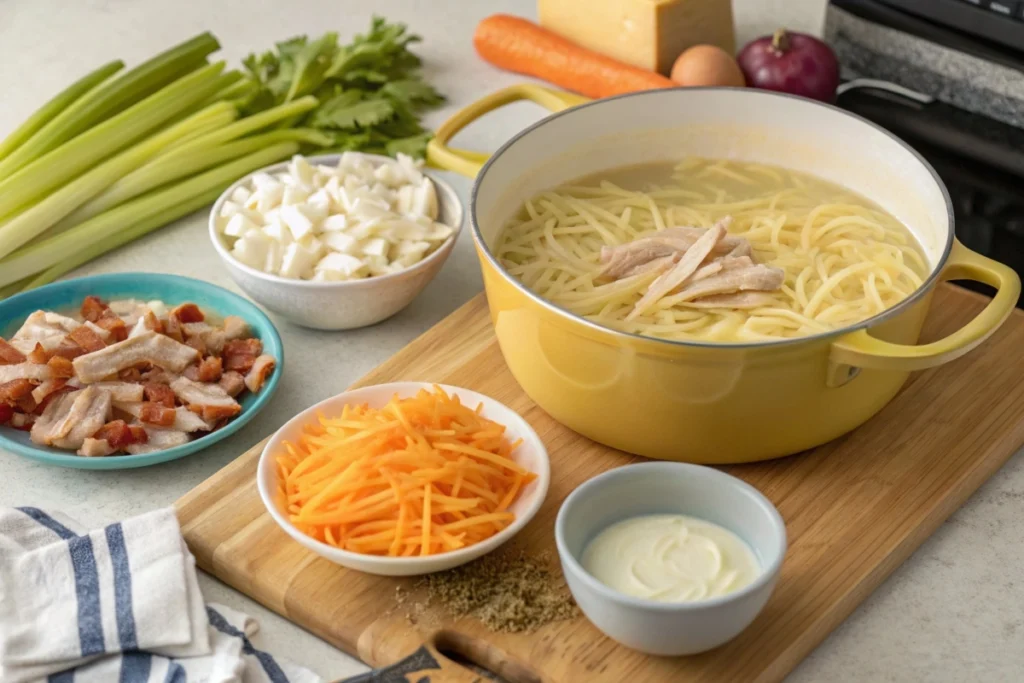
(743, 124)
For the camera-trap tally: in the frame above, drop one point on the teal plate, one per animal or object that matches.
(171, 289)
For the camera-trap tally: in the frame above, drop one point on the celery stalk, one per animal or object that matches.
(114, 96)
(164, 170)
(129, 234)
(241, 127)
(38, 219)
(55, 106)
(106, 231)
(67, 161)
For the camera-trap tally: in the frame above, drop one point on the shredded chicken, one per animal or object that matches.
(679, 273)
(760, 278)
(149, 347)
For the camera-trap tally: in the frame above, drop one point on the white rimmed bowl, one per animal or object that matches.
(661, 628)
(531, 454)
(348, 304)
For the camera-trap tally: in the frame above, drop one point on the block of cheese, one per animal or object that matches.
(646, 33)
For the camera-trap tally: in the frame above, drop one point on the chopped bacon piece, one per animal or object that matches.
(130, 375)
(235, 328)
(149, 347)
(32, 371)
(61, 367)
(87, 339)
(211, 369)
(41, 392)
(152, 322)
(233, 383)
(173, 329)
(119, 435)
(159, 393)
(22, 421)
(188, 313)
(68, 349)
(26, 404)
(110, 322)
(39, 355)
(96, 448)
(15, 390)
(6, 412)
(240, 362)
(157, 414)
(139, 434)
(10, 355)
(197, 343)
(92, 308)
(68, 421)
(214, 413)
(261, 369)
(251, 346)
(52, 396)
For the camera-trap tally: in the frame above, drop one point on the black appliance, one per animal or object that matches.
(979, 157)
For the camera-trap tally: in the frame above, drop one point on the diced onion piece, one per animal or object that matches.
(297, 221)
(238, 225)
(340, 266)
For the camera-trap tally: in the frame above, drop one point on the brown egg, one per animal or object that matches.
(707, 65)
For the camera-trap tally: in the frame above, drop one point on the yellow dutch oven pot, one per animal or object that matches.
(700, 402)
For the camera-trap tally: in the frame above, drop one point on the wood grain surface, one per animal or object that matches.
(854, 509)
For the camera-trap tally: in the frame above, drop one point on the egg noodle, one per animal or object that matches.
(844, 258)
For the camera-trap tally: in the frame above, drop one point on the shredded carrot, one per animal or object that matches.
(420, 476)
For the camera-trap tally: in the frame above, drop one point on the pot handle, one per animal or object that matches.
(469, 163)
(859, 349)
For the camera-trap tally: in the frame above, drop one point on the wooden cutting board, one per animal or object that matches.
(854, 510)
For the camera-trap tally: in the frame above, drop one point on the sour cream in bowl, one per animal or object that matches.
(670, 558)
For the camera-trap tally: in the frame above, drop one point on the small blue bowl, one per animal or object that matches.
(171, 289)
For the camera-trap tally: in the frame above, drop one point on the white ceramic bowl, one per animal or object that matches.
(531, 454)
(351, 303)
(661, 628)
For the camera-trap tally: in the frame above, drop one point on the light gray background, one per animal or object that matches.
(953, 612)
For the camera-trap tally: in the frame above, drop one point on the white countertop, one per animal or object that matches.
(953, 612)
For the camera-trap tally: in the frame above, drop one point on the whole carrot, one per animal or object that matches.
(516, 44)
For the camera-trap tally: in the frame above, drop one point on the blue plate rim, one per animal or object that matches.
(254, 313)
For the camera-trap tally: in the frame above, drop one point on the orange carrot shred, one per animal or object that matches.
(421, 475)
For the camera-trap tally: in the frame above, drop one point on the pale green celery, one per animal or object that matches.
(108, 230)
(67, 161)
(12, 289)
(128, 234)
(242, 127)
(112, 97)
(42, 219)
(163, 170)
(239, 86)
(55, 106)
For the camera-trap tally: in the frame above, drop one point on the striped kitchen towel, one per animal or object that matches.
(118, 604)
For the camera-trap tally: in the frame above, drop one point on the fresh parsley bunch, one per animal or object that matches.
(370, 91)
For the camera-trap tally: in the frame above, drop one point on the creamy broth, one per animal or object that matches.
(798, 256)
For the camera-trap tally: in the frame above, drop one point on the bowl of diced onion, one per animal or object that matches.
(336, 241)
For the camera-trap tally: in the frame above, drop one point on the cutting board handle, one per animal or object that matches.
(428, 664)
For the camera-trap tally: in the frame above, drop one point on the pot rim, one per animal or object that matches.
(891, 312)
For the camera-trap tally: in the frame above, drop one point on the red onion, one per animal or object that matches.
(793, 63)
